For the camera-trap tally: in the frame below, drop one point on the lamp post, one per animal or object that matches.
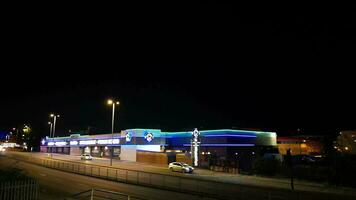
(113, 103)
(54, 116)
(50, 132)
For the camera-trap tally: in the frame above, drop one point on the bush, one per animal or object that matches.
(266, 166)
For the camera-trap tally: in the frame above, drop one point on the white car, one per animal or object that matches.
(86, 157)
(180, 167)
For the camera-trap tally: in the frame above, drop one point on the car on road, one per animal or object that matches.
(86, 157)
(180, 167)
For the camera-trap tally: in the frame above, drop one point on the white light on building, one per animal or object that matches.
(50, 143)
(109, 141)
(73, 142)
(86, 142)
(60, 143)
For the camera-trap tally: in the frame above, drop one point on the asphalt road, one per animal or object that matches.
(55, 184)
(245, 189)
(257, 181)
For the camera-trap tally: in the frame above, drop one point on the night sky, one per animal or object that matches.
(216, 68)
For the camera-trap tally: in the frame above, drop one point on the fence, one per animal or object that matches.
(95, 194)
(206, 189)
(19, 190)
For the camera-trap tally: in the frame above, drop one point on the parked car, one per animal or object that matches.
(86, 157)
(180, 167)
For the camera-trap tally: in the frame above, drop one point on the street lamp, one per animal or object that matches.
(54, 129)
(50, 132)
(113, 103)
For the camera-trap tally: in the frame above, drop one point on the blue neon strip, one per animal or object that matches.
(229, 135)
(224, 145)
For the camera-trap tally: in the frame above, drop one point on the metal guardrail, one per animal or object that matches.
(19, 190)
(205, 189)
(101, 194)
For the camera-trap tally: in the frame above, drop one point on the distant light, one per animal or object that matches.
(335, 147)
(49, 122)
(236, 153)
(253, 153)
(23, 135)
(208, 152)
(106, 148)
(304, 140)
(110, 102)
(354, 140)
(203, 153)
(346, 148)
(43, 142)
(95, 148)
(13, 129)
(117, 103)
(52, 115)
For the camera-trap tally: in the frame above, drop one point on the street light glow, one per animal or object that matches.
(110, 102)
(52, 115)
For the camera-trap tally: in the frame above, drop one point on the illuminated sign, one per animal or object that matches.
(86, 142)
(110, 141)
(149, 136)
(73, 142)
(60, 143)
(195, 145)
(50, 143)
(43, 142)
(128, 137)
(195, 133)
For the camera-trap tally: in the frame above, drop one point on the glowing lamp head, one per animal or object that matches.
(52, 115)
(110, 102)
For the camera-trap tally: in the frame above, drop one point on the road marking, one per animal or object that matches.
(42, 174)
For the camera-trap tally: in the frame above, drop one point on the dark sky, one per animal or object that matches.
(216, 68)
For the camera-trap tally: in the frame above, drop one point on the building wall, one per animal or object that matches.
(152, 157)
(128, 152)
(184, 158)
(296, 149)
(43, 149)
(310, 147)
(75, 151)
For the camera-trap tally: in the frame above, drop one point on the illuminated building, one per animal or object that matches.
(300, 145)
(346, 142)
(155, 146)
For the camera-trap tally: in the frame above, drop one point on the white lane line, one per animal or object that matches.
(42, 174)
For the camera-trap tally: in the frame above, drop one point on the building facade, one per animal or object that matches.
(200, 148)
